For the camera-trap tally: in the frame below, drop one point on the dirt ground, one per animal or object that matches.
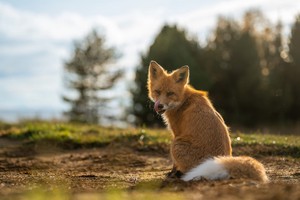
(25, 167)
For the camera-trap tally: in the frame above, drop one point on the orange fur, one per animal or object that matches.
(244, 167)
(199, 130)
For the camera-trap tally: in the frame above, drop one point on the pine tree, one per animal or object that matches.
(294, 71)
(236, 71)
(219, 52)
(275, 75)
(88, 73)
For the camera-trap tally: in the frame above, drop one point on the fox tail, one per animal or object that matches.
(225, 167)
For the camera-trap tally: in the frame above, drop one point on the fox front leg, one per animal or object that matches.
(183, 155)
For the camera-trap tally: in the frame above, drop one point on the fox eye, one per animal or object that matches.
(157, 92)
(170, 94)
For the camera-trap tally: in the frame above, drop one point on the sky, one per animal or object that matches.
(36, 38)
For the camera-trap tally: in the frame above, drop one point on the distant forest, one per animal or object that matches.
(249, 68)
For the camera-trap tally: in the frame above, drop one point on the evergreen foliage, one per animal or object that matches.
(250, 74)
(89, 73)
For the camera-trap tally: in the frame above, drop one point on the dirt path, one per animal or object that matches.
(26, 166)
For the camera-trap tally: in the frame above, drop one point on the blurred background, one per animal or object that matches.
(87, 61)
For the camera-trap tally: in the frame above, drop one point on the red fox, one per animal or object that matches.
(201, 146)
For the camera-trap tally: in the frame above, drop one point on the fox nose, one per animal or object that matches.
(158, 107)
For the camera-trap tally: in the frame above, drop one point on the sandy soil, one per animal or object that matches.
(25, 167)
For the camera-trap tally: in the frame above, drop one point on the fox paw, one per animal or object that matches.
(174, 174)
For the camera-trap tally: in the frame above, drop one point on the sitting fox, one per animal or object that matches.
(201, 147)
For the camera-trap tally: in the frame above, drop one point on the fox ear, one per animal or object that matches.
(181, 75)
(155, 70)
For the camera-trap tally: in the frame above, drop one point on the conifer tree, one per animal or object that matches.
(294, 71)
(88, 73)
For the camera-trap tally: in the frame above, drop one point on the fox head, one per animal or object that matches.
(165, 89)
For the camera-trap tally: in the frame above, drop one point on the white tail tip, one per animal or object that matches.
(210, 169)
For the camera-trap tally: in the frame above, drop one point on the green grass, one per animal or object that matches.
(59, 194)
(92, 135)
(82, 135)
(264, 139)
